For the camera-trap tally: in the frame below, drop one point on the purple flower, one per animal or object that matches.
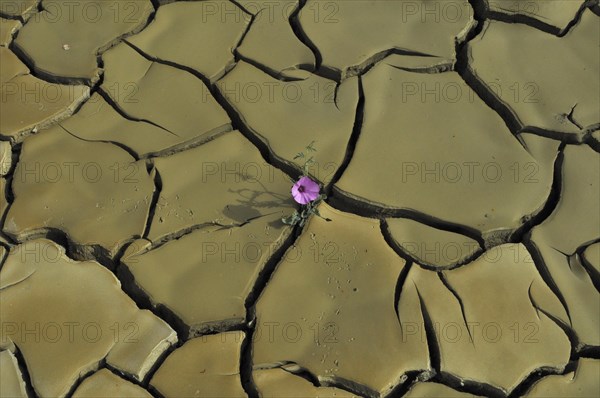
(305, 190)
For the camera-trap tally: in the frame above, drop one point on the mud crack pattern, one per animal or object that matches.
(148, 148)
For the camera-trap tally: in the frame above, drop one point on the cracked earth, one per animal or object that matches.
(148, 149)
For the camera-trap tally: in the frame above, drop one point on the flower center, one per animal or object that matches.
(301, 188)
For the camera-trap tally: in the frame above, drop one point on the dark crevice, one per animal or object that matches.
(389, 239)
(567, 330)
(430, 333)
(405, 270)
(589, 351)
(124, 147)
(8, 193)
(446, 283)
(542, 269)
(551, 202)
(155, 393)
(373, 60)
(439, 68)
(479, 8)
(469, 386)
(592, 141)
(13, 17)
(485, 93)
(268, 270)
(352, 141)
(406, 382)
(264, 68)
(572, 23)
(124, 114)
(345, 201)
(348, 385)
(398, 291)
(252, 18)
(538, 23)
(246, 364)
(524, 19)
(31, 393)
(238, 5)
(172, 236)
(571, 119)
(158, 186)
(299, 371)
(190, 144)
(403, 273)
(294, 21)
(263, 278)
(127, 377)
(587, 265)
(73, 250)
(523, 388)
(532, 301)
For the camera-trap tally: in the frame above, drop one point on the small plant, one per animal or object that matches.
(305, 191)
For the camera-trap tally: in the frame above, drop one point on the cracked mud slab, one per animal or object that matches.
(224, 182)
(272, 23)
(61, 339)
(340, 269)
(350, 35)
(208, 33)
(550, 84)
(287, 116)
(495, 307)
(28, 103)
(65, 39)
(217, 269)
(203, 367)
(98, 121)
(167, 97)
(110, 190)
(106, 384)
(465, 151)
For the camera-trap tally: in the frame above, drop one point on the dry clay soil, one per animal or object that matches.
(148, 149)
